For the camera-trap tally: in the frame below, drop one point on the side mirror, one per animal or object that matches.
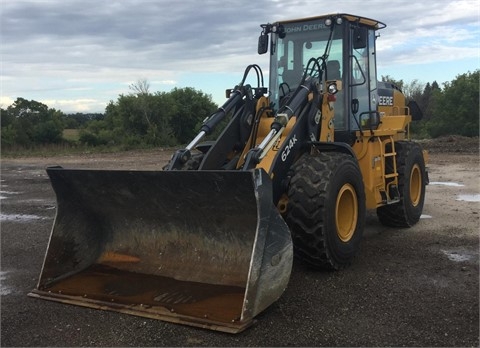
(360, 35)
(263, 44)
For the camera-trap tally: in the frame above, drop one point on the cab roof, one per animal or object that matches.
(377, 25)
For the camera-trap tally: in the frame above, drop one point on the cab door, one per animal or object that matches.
(362, 86)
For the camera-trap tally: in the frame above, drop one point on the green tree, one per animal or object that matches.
(6, 118)
(426, 101)
(191, 108)
(141, 119)
(145, 119)
(79, 119)
(29, 122)
(8, 134)
(413, 90)
(456, 108)
(96, 133)
(137, 119)
(388, 78)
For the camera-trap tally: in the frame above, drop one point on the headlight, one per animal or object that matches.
(332, 88)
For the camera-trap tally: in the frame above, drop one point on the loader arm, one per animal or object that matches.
(304, 119)
(240, 103)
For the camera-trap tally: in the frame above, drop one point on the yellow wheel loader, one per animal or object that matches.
(209, 240)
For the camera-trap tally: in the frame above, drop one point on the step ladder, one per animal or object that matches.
(390, 175)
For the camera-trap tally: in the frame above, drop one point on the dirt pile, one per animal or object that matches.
(451, 144)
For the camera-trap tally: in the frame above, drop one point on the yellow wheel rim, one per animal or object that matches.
(346, 212)
(415, 185)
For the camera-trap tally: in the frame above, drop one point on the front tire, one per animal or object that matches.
(326, 209)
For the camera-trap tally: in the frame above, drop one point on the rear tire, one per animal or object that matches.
(411, 186)
(326, 209)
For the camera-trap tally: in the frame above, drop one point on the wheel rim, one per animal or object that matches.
(346, 212)
(415, 185)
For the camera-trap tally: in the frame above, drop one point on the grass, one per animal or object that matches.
(66, 148)
(69, 146)
(47, 150)
(71, 135)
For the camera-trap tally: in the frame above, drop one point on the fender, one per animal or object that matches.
(324, 146)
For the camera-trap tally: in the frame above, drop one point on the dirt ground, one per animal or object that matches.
(407, 287)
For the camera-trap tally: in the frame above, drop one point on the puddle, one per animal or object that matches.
(446, 183)
(469, 198)
(4, 290)
(19, 217)
(425, 216)
(458, 256)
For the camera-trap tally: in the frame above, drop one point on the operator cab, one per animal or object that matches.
(346, 46)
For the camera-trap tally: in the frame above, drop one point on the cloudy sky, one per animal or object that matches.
(78, 55)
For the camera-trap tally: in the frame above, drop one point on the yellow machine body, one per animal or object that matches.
(209, 240)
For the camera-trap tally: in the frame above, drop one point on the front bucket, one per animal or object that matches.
(203, 248)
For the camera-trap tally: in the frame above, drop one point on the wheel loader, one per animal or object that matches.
(209, 240)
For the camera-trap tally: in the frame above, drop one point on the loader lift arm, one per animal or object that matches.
(237, 97)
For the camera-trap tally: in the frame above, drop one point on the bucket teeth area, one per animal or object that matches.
(107, 285)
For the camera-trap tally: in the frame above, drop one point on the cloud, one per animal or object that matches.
(75, 105)
(5, 102)
(165, 82)
(93, 48)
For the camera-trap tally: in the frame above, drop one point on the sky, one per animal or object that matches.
(77, 56)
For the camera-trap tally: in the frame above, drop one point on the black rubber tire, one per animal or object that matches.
(194, 162)
(411, 186)
(314, 193)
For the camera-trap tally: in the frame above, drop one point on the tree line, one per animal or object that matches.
(138, 119)
(145, 119)
(449, 110)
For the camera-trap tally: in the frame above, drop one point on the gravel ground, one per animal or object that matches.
(407, 287)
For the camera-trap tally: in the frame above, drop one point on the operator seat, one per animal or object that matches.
(333, 70)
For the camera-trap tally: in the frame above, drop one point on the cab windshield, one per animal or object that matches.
(290, 55)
